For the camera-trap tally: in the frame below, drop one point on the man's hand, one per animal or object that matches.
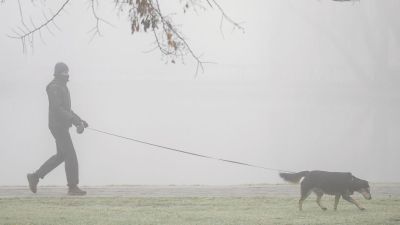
(76, 121)
(85, 124)
(80, 128)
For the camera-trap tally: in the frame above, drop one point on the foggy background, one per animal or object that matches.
(309, 85)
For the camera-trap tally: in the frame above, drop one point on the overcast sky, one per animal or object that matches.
(309, 85)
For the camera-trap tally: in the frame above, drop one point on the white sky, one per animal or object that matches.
(310, 85)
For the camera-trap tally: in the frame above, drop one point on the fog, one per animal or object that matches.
(309, 85)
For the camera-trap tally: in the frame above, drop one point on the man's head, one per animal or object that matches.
(61, 69)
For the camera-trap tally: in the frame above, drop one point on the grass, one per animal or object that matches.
(190, 211)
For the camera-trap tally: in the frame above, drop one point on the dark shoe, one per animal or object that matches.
(33, 180)
(76, 191)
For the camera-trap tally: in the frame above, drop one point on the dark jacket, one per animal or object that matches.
(60, 113)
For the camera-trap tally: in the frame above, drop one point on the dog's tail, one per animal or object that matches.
(293, 177)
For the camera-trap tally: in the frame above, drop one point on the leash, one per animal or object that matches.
(186, 152)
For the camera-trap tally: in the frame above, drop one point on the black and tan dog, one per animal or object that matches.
(331, 183)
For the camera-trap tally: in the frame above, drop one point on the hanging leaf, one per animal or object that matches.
(169, 36)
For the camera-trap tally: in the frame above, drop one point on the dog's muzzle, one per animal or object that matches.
(366, 194)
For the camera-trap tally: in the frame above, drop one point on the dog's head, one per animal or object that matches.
(362, 187)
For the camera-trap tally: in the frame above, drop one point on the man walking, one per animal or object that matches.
(61, 118)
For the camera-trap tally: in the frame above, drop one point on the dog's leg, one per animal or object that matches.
(301, 203)
(304, 194)
(351, 200)
(319, 196)
(337, 197)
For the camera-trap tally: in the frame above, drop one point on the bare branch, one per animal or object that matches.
(145, 15)
(21, 14)
(29, 34)
(159, 44)
(151, 50)
(48, 29)
(41, 38)
(96, 29)
(168, 27)
(53, 22)
(225, 16)
(45, 24)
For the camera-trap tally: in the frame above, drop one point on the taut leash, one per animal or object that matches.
(186, 152)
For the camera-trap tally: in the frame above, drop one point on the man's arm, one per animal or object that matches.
(82, 122)
(76, 116)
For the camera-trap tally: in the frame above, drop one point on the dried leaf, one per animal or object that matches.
(169, 36)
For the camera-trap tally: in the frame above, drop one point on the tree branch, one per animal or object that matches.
(224, 15)
(29, 33)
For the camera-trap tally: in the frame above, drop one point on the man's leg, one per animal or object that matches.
(71, 161)
(71, 166)
(48, 166)
(56, 159)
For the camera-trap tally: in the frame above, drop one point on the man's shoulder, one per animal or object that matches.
(53, 87)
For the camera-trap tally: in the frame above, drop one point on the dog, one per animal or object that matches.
(331, 183)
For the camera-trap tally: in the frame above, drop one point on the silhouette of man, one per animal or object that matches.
(61, 119)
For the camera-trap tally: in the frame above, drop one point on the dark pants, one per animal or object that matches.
(65, 153)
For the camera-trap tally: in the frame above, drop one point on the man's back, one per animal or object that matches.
(60, 114)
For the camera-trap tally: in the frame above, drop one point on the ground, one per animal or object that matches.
(187, 205)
